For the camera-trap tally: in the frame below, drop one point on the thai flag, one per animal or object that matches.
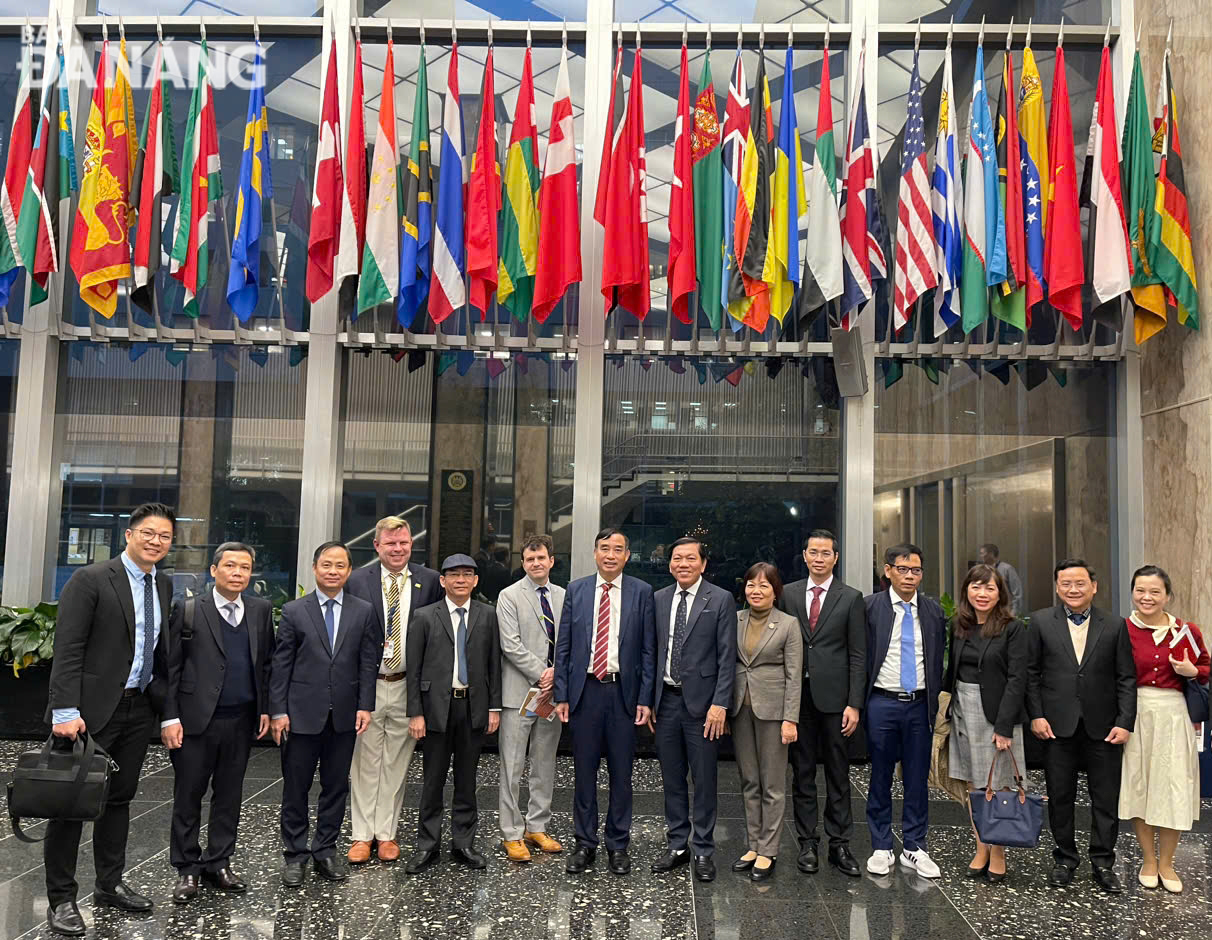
(447, 290)
(862, 228)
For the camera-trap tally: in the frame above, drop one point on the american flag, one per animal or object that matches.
(915, 246)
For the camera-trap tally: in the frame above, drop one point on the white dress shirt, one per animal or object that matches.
(405, 604)
(221, 603)
(825, 586)
(454, 622)
(890, 672)
(691, 593)
(616, 606)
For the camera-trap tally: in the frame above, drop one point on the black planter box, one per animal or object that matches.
(23, 702)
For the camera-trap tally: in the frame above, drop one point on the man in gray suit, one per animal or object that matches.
(528, 613)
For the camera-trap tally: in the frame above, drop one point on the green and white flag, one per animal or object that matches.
(384, 209)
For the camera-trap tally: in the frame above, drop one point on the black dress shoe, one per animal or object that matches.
(996, 878)
(841, 859)
(1061, 876)
(293, 874)
(123, 898)
(671, 860)
(468, 856)
(743, 864)
(704, 868)
(1106, 879)
(976, 873)
(763, 874)
(65, 920)
(225, 880)
(330, 869)
(580, 860)
(186, 889)
(808, 862)
(421, 860)
(620, 861)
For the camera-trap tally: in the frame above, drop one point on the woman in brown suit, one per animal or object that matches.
(765, 708)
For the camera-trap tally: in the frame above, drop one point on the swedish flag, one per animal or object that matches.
(255, 186)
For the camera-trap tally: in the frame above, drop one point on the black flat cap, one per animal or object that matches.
(458, 561)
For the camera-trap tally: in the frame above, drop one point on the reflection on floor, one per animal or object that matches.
(540, 900)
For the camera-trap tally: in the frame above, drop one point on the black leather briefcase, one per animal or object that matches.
(59, 783)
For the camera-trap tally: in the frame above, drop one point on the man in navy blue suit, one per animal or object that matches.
(605, 668)
(696, 663)
(905, 640)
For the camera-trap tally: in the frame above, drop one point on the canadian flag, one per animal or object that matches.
(328, 191)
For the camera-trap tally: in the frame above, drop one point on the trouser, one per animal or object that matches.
(333, 751)
(602, 727)
(380, 765)
(681, 747)
(543, 737)
(215, 759)
(761, 758)
(820, 740)
(898, 731)
(124, 737)
(1103, 763)
(462, 742)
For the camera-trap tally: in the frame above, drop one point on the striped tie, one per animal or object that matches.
(393, 625)
(601, 641)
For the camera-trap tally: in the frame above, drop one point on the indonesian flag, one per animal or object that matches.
(381, 253)
(155, 176)
(559, 257)
(20, 146)
(353, 205)
(484, 202)
(327, 192)
(681, 277)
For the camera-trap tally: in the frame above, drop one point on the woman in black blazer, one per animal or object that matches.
(987, 679)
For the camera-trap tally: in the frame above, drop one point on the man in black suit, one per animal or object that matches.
(397, 589)
(454, 699)
(222, 646)
(321, 693)
(1081, 699)
(833, 624)
(110, 678)
(696, 656)
(906, 635)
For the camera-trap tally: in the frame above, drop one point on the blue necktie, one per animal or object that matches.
(548, 625)
(149, 631)
(330, 623)
(461, 645)
(908, 654)
(1078, 619)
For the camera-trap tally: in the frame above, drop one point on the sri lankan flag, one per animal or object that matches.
(520, 220)
(1175, 262)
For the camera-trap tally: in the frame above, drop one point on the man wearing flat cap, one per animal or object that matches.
(454, 698)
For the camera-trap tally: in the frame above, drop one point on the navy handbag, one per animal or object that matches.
(1007, 817)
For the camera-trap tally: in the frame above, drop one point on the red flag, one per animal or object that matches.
(484, 202)
(625, 255)
(682, 275)
(608, 142)
(353, 208)
(327, 191)
(1063, 268)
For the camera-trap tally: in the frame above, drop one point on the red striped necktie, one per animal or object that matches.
(601, 640)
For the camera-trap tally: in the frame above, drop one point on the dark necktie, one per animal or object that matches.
(548, 625)
(149, 631)
(814, 612)
(330, 623)
(1078, 619)
(461, 645)
(679, 637)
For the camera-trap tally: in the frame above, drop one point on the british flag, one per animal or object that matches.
(914, 273)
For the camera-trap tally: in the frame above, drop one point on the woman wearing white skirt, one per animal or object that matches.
(1160, 787)
(987, 679)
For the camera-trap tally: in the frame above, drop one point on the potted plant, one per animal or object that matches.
(27, 643)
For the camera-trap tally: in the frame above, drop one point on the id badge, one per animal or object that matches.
(389, 647)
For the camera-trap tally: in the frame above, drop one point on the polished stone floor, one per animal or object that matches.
(540, 900)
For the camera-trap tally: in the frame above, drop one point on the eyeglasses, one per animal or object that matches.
(150, 535)
(902, 570)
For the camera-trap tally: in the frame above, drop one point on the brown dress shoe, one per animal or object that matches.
(388, 851)
(516, 850)
(543, 842)
(359, 853)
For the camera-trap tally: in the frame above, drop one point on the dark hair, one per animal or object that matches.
(689, 540)
(903, 550)
(534, 542)
(763, 569)
(1150, 570)
(1073, 563)
(232, 547)
(991, 550)
(822, 534)
(147, 510)
(609, 532)
(501, 553)
(332, 543)
(999, 617)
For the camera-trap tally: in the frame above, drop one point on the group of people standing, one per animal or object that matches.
(374, 660)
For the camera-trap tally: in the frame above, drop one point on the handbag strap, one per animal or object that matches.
(1018, 777)
(20, 833)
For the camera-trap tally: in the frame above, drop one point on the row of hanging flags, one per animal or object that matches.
(740, 192)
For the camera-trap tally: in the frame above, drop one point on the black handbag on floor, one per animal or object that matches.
(58, 783)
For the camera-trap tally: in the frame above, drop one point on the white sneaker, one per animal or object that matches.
(921, 863)
(881, 862)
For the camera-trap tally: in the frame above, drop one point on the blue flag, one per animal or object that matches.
(255, 185)
(985, 137)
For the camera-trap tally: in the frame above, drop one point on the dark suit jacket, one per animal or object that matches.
(95, 645)
(307, 680)
(708, 651)
(431, 655)
(367, 583)
(637, 642)
(835, 653)
(934, 637)
(1100, 690)
(197, 667)
(1002, 674)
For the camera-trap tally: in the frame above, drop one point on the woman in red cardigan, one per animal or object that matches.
(1160, 788)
